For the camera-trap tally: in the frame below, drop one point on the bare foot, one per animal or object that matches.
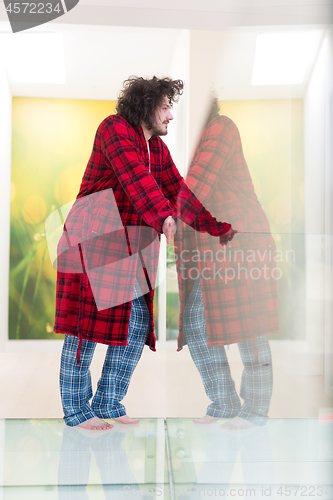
(207, 419)
(125, 419)
(237, 423)
(95, 424)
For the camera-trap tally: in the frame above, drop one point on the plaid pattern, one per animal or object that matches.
(120, 163)
(213, 366)
(119, 365)
(245, 306)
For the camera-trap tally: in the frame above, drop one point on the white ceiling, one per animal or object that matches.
(100, 56)
(197, 14)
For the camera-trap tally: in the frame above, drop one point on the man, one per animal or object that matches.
(131, 161)
(228, 296)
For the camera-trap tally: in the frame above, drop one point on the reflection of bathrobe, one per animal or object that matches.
(239, 286)
(145, 192)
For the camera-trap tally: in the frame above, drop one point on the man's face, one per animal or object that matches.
(161, 118)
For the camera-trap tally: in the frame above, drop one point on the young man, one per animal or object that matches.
(131, 161)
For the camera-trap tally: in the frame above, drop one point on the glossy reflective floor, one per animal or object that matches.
(44, 459)
(259, 462)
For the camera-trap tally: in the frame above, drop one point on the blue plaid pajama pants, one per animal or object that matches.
(212, 364)
(119, 365)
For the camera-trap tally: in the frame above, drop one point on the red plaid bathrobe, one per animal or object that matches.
(96, 236)
(238, 283)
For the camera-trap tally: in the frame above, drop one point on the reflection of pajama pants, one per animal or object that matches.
(213, 366)
(119, 365)
(75, 463)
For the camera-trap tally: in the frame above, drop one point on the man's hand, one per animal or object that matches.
(169, 229)
(227, 236)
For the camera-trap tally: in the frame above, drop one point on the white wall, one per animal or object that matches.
(316, 126)
(178, 129)
(328, 224)
(5, 180)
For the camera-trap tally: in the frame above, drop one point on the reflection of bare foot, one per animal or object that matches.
(95, 424)
(237, 423)
(125, 419)
(207, 419)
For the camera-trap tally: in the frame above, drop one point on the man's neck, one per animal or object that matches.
(147, 133)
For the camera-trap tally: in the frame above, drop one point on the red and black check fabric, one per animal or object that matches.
(246, 306)
(120, 162)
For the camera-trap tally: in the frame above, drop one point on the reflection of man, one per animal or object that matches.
(129, 158)
(228, 296)
(113, 467)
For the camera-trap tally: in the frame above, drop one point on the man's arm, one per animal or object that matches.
(190, 210)
(138, 184)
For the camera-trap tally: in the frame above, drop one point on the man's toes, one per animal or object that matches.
(95, 424)
(125, 419)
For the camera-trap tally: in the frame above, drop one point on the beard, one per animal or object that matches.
(159, 129)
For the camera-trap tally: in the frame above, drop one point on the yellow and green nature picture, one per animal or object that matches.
(52, 142)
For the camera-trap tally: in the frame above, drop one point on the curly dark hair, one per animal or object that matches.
(140, 97)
